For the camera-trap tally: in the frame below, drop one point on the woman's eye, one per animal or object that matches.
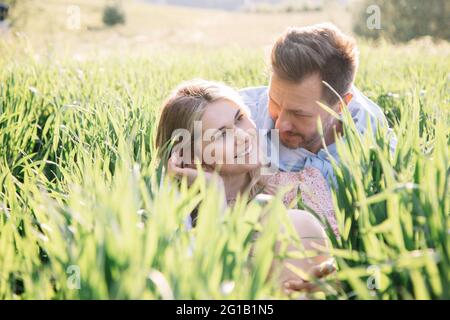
(240, 117)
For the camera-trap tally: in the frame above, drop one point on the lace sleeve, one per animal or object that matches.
(316, 194)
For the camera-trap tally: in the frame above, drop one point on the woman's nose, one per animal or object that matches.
(283, 123)
(242, 139)
(241, 136)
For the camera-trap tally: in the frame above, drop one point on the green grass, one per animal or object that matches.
(81, 190)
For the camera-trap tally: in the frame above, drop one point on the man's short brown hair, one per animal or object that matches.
(322, 49)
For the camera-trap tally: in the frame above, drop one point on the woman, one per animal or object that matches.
(216, 131)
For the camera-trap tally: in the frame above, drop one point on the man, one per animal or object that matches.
(302, 59)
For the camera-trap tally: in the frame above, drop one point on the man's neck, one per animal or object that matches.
(335, 129)
(329, 136)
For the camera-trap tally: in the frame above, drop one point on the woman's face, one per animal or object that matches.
(229, 139)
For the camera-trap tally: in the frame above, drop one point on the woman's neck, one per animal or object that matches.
(235, 184)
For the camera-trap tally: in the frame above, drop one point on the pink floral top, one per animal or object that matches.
(313, 188)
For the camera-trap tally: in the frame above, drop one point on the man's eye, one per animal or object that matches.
(240, 117)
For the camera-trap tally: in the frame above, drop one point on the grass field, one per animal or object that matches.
(84, 213)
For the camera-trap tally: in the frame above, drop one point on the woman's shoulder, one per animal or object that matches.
(312, 174)
(306, 174)
(314, 190)
(309, 179)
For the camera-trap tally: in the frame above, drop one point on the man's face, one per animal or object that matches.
(294, 109)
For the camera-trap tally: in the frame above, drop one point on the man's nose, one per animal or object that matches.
(283, 123)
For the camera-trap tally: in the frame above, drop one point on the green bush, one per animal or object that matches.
(113, 14)
(403, 20)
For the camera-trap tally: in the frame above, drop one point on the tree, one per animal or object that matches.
(113, 14)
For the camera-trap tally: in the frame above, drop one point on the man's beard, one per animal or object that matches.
(306, 144)
(314, 142)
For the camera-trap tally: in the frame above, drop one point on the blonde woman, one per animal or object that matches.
(229, 134)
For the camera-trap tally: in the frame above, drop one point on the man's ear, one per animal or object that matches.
(346, 98)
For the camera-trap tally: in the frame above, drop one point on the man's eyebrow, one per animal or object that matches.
(297, 111)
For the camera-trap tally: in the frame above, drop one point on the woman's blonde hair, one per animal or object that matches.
(187, 104)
